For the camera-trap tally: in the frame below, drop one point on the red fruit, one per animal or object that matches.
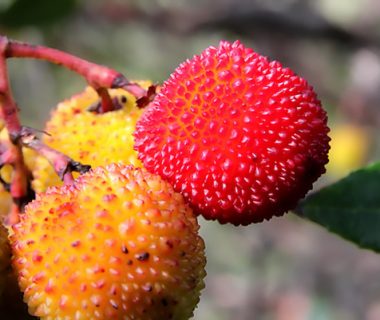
(241, 137)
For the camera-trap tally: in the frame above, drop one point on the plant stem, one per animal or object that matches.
(99, 77)
(9, 112)
(62, 164)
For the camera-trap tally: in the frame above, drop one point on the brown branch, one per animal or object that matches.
(62, 164)
(148, 98)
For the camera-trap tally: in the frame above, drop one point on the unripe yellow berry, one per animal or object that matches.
(117, 244)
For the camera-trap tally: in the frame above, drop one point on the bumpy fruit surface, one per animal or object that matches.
(241, 137)
(119, 243)
(11, 304)
(5, 258)
(89, 137)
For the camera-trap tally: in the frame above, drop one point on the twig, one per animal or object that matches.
(99, 77)
(19, 185)
(63, 165)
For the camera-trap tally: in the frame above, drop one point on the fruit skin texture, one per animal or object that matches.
(117, 244)
(11, 304)
(241, 137)
(88, 137)
(5, 258)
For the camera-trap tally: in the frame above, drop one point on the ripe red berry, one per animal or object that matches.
(241, 137)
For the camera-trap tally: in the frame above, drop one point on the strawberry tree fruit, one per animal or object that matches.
(11, 303)
(119, 243)
(5, 258)
(241, 137)
(90, 137)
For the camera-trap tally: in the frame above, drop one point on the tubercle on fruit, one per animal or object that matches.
(101, 78)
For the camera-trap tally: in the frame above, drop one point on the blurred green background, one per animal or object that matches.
(284, 269)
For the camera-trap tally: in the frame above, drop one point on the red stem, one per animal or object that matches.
(62, 164)
(8, 105)
(19, 183)
(98, 76)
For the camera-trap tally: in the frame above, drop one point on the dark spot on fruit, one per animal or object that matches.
(98, 269)
(116, 104)
(254, 157)
(109, 197)
(312, 169)
(147, 288)
(114, 304)
(169, 244)
(142, 256)
(129, 262)
(164, 302)
(183, 253)
(124, 249)
(37, 258)
(124, 99)
(75, 244)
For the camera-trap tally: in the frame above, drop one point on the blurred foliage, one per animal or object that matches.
(350, 145)
(39, 13)
(284, 269)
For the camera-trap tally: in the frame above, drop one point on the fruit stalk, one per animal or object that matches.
(20, 186)
(62, 164)
(9, 113)
(99, 77)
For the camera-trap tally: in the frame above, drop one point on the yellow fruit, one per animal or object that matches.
(117, 244)
(349, 149)
(5, 203)
(11, 304)
(5, 256)
(88, 137)
(5, 261)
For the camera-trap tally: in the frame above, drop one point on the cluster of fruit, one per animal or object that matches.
(230, 136)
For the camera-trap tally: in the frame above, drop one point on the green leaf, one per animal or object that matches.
(35, 12)
(349, 207)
